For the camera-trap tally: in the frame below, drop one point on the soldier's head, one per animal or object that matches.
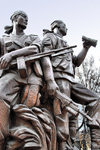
(60, 25)
(20, 17)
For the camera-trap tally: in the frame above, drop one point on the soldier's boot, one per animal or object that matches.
(95, 139)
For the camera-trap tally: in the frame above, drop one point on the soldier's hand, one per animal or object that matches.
(5, 60)
(52, 87)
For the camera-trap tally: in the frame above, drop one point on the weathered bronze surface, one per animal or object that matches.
(38, 90)
(23, 123)
(63, 71)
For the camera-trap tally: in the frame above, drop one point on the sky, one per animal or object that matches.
(80, 16)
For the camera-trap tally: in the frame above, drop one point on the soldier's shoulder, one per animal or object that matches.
(33, 36)
(48, 34)
(5, 36)
(46, 31)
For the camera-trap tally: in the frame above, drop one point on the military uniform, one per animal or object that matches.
(12, 84)
(64, 70)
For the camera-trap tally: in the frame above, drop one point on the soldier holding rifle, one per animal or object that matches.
(20, 80)
(61, 69)
(20, 83)
(15, 45)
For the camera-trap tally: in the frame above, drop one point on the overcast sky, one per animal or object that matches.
(82, 17)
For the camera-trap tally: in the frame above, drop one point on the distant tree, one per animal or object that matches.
(89, 75)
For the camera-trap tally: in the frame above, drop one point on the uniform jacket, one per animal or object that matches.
(63, 65)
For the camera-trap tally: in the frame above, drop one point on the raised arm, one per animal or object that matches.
(87, 43)
(81, 56)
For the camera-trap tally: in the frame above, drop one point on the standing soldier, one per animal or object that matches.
(13, 46)
(62, 69)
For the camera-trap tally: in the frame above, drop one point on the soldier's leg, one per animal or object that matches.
(73, 120)
(62, 121)
(9, 94)
(62, 124)
(31, 95)
(95, 126)
(82, 95)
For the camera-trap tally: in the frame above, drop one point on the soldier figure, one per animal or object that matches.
(62, 69)
(13, 46)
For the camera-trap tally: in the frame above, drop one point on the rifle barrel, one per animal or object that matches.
(61, 53)
(85, 115)
(52, 53)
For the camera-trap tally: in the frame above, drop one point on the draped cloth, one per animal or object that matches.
(32, 128)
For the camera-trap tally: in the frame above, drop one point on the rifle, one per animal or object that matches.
(52, 53)
(22, 61)
(64, 101)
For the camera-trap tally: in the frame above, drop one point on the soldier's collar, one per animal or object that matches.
(59, 35)
(16, 35)
(45, 31)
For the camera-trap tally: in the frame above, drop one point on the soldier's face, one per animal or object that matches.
(22, 21)
(63, 29)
